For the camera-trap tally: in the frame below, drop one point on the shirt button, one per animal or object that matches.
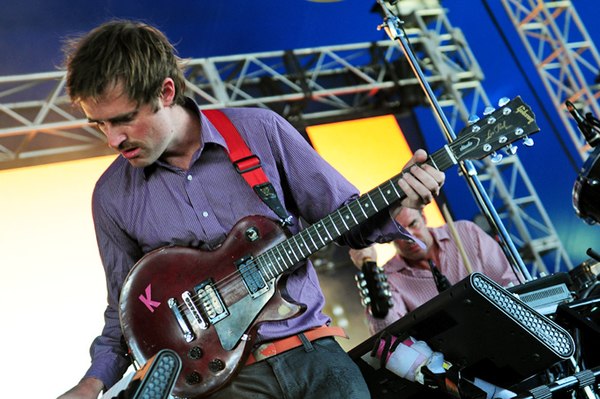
(189, 177)
(205, 214)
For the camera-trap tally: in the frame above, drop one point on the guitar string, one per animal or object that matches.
(442, 163)
(337, 218)
(235, 279)
(355, 209)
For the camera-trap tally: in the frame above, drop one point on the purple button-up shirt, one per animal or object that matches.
(136, 210)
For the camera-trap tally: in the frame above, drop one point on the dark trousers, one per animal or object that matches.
(317, 370)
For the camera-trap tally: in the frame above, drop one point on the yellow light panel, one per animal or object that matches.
(368, 152)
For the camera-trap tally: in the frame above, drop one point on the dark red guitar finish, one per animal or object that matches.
(149, 325)
(207, 306)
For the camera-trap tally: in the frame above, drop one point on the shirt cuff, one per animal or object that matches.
(109, 369)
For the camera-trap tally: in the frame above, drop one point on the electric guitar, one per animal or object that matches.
(207, 305)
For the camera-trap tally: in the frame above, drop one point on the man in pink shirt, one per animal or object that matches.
(409, 272)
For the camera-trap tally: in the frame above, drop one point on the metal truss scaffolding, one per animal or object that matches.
(564, 56)
(38, 124)
(506, 183)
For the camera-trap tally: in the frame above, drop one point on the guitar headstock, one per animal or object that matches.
(513, 120)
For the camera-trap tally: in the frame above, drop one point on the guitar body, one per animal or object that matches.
(214, 344)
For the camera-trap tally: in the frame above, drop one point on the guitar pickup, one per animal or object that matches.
(211, 302)
(252, 276)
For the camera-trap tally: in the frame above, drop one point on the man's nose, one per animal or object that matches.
(114, 136)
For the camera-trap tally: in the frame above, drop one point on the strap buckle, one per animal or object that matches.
(252, 162)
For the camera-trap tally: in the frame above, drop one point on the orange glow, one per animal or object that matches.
(368, 152)
(52, 278)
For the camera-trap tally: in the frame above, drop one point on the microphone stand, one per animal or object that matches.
(393, 27)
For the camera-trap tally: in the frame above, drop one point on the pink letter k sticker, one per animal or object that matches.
(147, 300)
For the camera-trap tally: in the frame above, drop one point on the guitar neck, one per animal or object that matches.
(286, 254)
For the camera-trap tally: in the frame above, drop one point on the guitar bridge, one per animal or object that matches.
(185, 328)
(191, 305)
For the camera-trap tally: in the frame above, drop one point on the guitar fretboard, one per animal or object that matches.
(286, 254)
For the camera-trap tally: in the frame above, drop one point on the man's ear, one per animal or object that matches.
(167, 93)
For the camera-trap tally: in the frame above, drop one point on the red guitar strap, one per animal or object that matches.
(246, 163)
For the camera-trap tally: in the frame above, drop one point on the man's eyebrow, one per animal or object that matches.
(118, 118)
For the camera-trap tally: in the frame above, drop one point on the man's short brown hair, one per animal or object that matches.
(133, 54)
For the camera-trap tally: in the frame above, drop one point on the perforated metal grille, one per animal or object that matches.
(544, 329)
(159, 382)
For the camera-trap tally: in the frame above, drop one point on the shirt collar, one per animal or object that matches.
(440, 234)
(208, 134)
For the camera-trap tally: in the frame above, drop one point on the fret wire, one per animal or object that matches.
(275, 262)
(268, 264)
(294, 253)
(279, 248)
(286, 251)
(361, 207)
(326, 229)
(374, 206)
(277, 259)
(305, 244)
(374, 201)
(352, 213)
(299, 245)
(442, 160)
(311, 239)
(272, 265)
(316, 225)
(335, 225)
(261, 266)
(382, 195)
(342, 219)
(362, 215)
(394, 186)
(328, 238)
(391, 192)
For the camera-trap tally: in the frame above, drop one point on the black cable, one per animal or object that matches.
(537, 97)
(441, 282)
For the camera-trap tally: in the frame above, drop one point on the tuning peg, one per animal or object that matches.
(528, 141)
(503, 101)
(511, 149)
(473, 119)
(488, 110)
(496, 157)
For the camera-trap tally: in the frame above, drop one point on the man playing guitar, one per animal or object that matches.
(174, 188)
